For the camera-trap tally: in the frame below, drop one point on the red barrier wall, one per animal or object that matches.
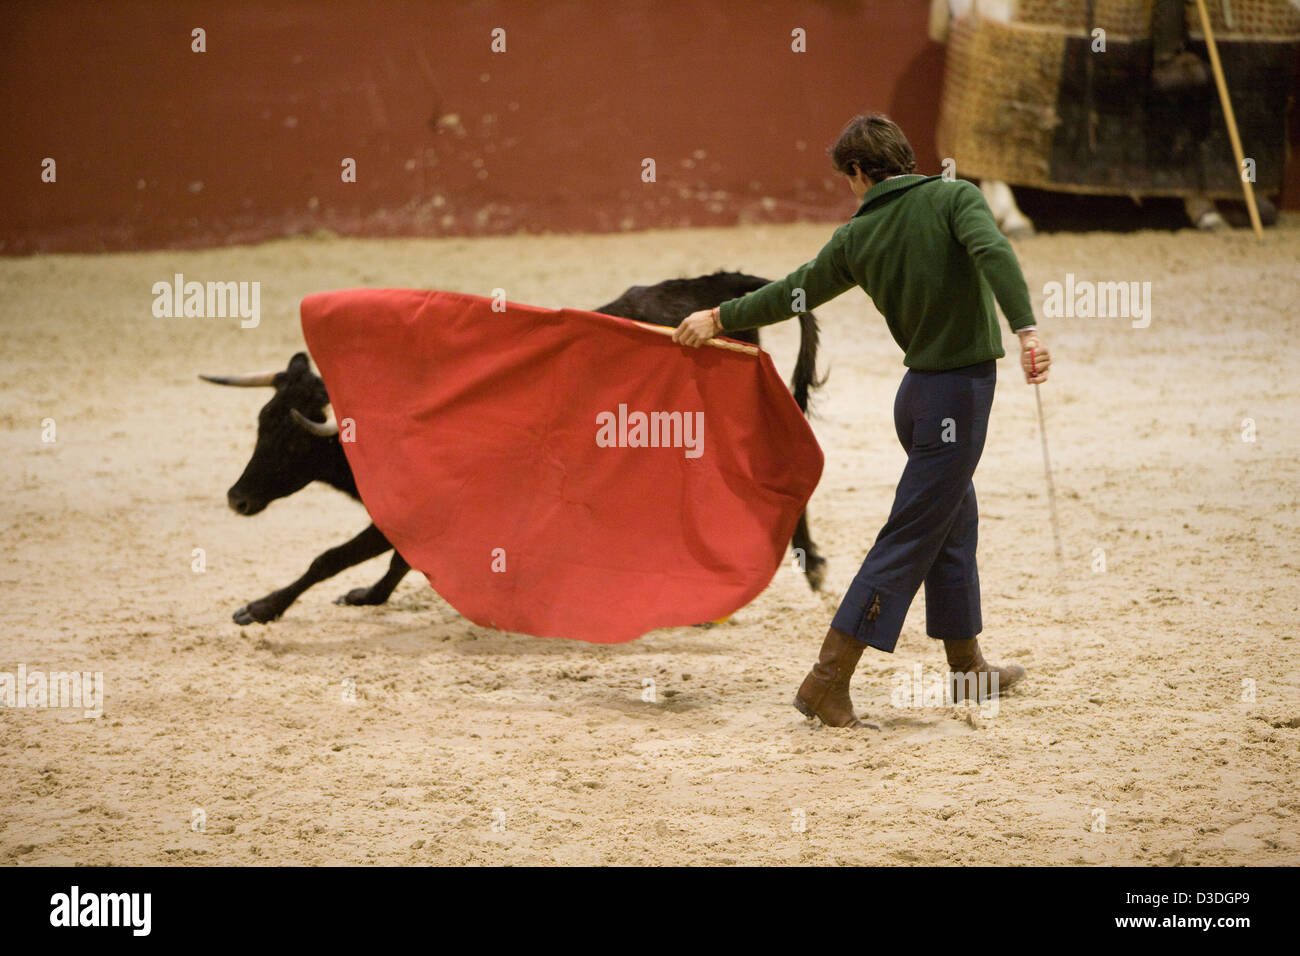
(157, 145)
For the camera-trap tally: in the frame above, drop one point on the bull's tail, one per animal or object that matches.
(804, 379)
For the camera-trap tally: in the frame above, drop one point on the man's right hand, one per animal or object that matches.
(697, 328)
(1035, 360)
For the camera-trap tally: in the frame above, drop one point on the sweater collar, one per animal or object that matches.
(889, 186)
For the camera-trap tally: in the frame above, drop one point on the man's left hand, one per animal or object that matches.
(1035, 360)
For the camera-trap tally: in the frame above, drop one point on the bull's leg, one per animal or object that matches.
(368, 544)
(381, 590)
(814, 565)
(1002, 203)
(1202, 212)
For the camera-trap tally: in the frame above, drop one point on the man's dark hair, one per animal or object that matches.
(874, 144)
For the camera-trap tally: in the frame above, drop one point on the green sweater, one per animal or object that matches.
(930, 255)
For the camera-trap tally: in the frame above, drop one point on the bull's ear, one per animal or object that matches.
(299, 363)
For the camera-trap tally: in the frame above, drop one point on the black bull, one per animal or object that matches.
(294, 449)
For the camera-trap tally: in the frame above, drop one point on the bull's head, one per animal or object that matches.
(294, 446)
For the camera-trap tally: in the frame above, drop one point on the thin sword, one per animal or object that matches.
(1051, 486)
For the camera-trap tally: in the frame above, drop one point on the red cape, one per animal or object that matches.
(476, 453)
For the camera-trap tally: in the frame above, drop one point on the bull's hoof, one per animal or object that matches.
(1211, 222)
(256, 612)
(360, 597)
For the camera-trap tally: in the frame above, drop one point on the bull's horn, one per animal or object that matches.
(242, 381)
(324, 429)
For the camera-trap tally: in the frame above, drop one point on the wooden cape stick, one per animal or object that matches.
(1247, 186)
(715, 342)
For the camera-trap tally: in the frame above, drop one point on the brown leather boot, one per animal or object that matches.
(964, 657)
(824, 693)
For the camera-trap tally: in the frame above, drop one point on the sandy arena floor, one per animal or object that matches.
(1131, 741)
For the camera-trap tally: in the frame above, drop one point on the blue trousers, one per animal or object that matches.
(930, 537)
